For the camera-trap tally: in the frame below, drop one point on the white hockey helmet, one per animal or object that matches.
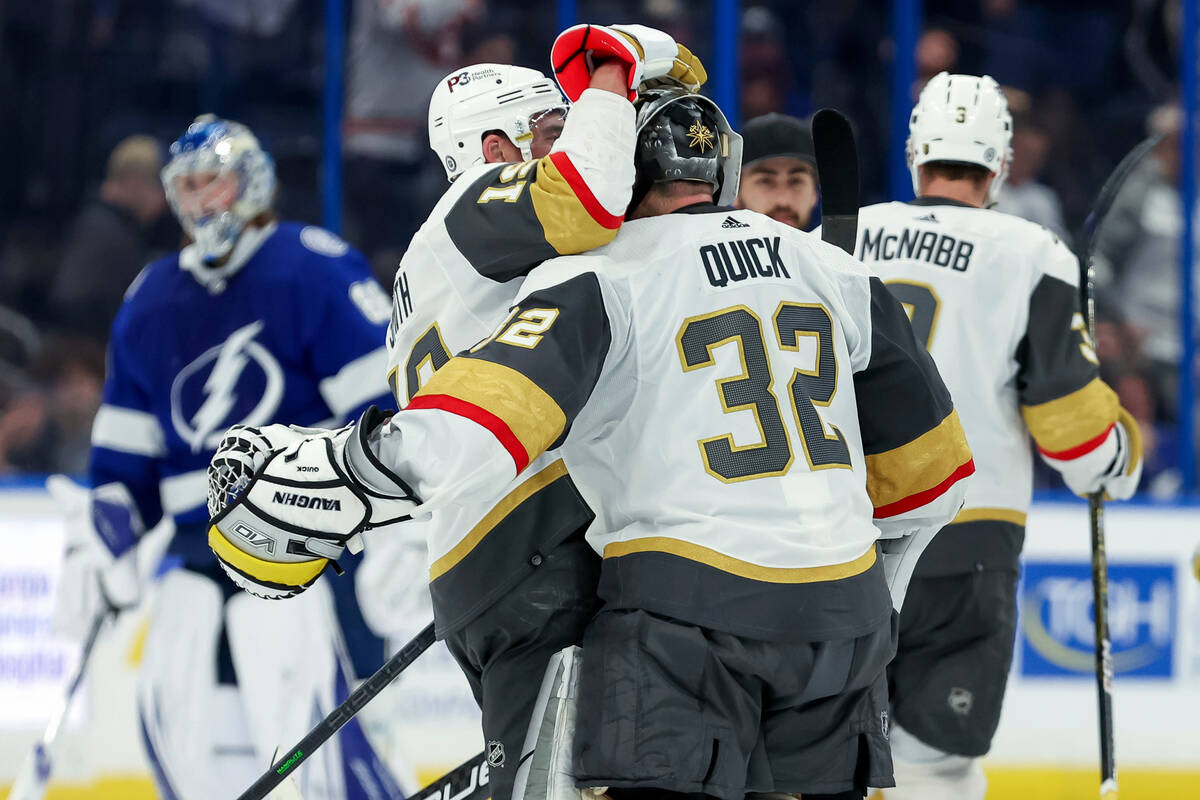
(469, 102)
(962, 119)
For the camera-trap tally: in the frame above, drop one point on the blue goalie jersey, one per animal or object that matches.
(296, 335)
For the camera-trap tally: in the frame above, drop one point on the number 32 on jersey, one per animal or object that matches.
(430, 353)
(753, 390)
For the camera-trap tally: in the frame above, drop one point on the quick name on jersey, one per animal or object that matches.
(940, 249)
(721, 268)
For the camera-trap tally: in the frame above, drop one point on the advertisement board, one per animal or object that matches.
(1047, 731)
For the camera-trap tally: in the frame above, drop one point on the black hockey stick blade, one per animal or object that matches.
(1108, 192)
(837, 172)
(467, 781)
(327, 727)
(1095, 220)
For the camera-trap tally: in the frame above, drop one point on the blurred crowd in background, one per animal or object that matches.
(94, 89)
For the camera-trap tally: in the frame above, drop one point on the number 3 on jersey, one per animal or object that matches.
(922, 304)
(753, 389)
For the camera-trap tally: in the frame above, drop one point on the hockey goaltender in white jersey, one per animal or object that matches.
(795, 416)
(511, 577)
(748, 412)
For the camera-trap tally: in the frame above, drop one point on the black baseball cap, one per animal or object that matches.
(775, 136)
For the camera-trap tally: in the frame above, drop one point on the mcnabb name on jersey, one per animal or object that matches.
(914, 244)
(306, 501)
(735, 261)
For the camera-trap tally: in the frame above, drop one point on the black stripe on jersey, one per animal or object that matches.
(1051, 354)
(696, 593)
(507, 554)
(900, 393)
(564, 361)
(499, 233)
(973, 546)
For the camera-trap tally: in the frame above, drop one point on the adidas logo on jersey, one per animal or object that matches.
(306, 501)
(730, 222)
(927, 218)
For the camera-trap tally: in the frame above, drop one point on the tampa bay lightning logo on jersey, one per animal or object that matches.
(236, 382)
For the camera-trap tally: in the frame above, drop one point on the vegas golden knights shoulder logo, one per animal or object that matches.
(699, 136)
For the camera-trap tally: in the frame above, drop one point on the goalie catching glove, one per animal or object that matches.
(654, 58)
(285, 502)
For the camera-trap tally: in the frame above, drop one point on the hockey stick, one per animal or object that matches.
(467, 781)
(837, 172)
(1104, 671)
(35, 772)
(327, 727)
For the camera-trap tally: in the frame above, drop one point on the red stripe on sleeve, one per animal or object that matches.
(921, 498)
(584, 193)
(497, 426)
(1079, 449)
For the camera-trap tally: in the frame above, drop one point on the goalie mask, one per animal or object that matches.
(470, 102)
(961, 119)
(683, 136)
(218, 179)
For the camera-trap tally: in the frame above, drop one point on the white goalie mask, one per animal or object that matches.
(469, 102)
(962, 119)
(218, 179)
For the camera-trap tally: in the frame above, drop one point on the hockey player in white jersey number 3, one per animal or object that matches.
(996, 300)
(749, 416)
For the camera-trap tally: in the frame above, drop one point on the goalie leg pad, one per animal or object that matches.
(290, 669)
(183, 709)
(926, 773)
(545, 772)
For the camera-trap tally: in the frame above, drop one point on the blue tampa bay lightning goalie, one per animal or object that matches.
(254, 321)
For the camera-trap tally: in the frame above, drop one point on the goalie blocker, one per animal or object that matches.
(285, 502)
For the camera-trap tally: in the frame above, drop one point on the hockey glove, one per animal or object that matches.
(285, 502)
(1120, 468)
(1126, 472)
(99, 568)
(653, 58)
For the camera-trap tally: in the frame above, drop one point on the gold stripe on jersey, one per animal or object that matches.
(990, 514)
(529, 413)
(1060, 425)
(501, 510)
(736, 566)
(902, 473)
(568, 224)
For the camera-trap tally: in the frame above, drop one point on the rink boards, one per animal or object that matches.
(1045, 748)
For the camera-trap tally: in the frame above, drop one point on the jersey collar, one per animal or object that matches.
(704, 208)
(215, 279)
(938, 201)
